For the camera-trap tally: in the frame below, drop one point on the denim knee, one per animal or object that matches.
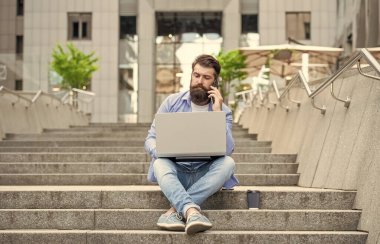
(229, 163)
(162, 167)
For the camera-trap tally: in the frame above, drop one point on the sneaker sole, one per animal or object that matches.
(171, 227)
(196, 227)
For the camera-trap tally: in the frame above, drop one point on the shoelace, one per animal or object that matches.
(178, 216)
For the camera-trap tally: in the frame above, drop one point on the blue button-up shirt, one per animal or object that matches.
(181, 102)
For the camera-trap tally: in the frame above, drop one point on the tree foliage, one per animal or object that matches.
(233, 63)
(74, 66)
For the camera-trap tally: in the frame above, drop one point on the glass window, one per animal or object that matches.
(194, 24)
(84, 29)
(18, 85)
(20, 7)
(298, 25)
(19, 46)
(127, 27)
(75, 30)
(180, 37)
(79, 26)
(128, 69)
(249, 23)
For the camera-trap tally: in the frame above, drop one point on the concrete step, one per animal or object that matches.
(110, 142)
(115, 125)
(133, 135)
(98, 129)
(96, 124)
(74, 157)
(143, 130)
(252, 149)
(129, 167)
(113, 149)
(145, 219)
(82, 149)
(151, 197)
(130, 157)
(132, 179)
(155, 236)
(117, 129)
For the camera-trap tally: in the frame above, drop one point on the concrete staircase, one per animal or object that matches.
(88, 185)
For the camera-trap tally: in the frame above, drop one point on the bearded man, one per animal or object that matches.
(188, 184)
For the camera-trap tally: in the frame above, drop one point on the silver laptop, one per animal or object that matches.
(191, 136)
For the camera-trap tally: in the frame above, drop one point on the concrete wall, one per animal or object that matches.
(272, 24)
(361, 19)
(21, 115)
(10, 26)
(46, 24)
(338, 150)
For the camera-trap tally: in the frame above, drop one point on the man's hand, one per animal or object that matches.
(218, 99)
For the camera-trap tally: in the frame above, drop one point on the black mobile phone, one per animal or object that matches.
(215, 84)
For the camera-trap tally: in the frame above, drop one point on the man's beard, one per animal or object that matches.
(199, 95)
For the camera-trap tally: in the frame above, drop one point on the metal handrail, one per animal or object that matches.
(3, 89)
(363, 53)
(278, 95)
(63, 99)
(83, 92)
(38, 94)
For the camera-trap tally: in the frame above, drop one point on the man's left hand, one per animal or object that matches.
(218, 99)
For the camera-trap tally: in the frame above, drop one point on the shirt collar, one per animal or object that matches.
(187, 97)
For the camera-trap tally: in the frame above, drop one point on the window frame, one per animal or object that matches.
(128, 33)
(80, 18)
(246, 30)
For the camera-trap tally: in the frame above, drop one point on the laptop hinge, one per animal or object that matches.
(193, 158)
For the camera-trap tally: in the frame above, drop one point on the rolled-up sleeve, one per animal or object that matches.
(150, 141)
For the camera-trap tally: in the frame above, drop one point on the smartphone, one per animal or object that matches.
(215, 84)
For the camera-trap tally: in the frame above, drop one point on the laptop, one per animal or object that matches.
(189, 136)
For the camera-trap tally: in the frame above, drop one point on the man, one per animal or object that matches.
(188, 184)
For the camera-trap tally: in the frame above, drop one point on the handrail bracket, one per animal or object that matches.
(322, 109)
(364, 74)
(346, 102)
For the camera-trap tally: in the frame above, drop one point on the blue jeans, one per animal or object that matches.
(188, 187)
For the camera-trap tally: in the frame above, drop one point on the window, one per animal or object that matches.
(79, 26)
(127, 26)
(20, 7)
(185, 26)
(19, 46)
(298, 25)
(18, 85)
(249, 23)
(180, 37)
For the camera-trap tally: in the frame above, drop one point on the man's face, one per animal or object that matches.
(201, 80)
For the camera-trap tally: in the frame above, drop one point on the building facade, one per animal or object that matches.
(146, 46)
(357, 24)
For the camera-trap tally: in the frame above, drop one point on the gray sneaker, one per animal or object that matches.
(174, 221)
(197, 223)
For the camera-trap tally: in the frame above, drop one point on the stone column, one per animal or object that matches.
(146, 34)
(231, 27)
